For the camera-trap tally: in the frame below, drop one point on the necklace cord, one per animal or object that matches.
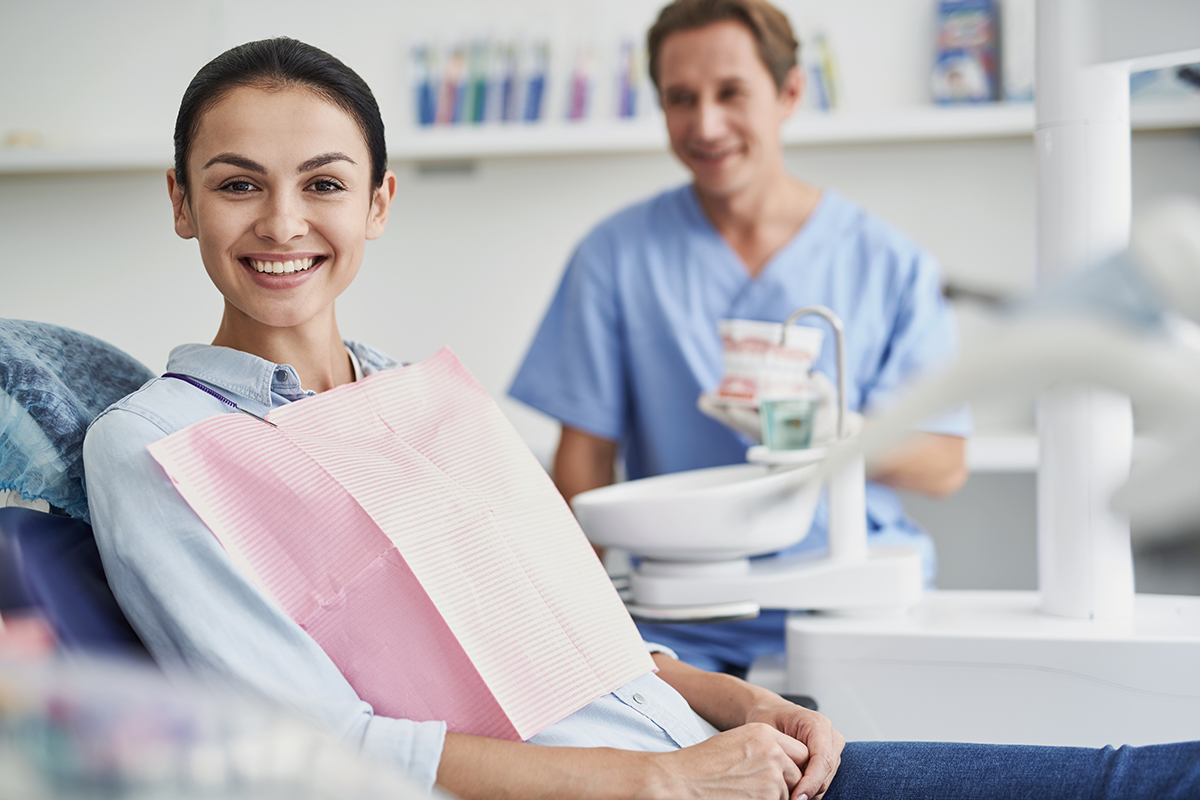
(192, 381)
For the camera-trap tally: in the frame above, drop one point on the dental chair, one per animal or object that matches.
(50, 567)
(53, 383)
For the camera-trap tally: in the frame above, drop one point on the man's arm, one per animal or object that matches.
(583, 462)
(930, 463)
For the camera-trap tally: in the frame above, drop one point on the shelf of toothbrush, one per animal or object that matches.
(592, 137)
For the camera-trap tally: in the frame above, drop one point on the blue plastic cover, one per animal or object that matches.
(53, 383)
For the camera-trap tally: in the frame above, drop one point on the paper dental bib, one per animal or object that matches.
(405, 526)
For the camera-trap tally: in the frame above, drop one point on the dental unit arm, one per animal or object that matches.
(1110, 326)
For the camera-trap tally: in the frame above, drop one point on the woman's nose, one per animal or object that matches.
(282, 220)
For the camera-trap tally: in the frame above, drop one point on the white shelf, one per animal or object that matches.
(113, 158)
(926, 123)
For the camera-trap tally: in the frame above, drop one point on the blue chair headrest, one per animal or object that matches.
(50, 564)
(53, 383)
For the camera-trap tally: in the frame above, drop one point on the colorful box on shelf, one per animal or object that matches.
(965, 69)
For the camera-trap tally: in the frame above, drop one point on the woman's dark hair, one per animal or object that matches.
(276, 64)
(777, 45)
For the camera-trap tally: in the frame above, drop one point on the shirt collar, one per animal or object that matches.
(256, 378)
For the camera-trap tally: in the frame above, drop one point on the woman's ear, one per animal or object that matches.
(381, 204)
(179, 207)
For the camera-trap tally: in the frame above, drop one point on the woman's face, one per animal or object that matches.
(281, 203)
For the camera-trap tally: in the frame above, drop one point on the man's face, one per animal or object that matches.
(723, 110)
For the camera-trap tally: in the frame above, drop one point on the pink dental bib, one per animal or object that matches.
(406, 527)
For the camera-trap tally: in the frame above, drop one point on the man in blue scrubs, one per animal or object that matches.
(630, 340)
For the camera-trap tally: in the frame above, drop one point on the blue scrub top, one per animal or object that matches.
(630, 339)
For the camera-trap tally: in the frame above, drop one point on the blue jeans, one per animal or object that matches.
(945, 771)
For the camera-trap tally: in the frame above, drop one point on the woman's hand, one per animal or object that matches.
(754, 760)
(729, 704)
(822, 740)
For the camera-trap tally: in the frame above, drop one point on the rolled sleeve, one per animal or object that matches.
(192, 606)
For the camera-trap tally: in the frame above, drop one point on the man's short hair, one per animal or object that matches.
(777, 45)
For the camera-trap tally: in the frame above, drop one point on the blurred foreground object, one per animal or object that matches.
(115, 729)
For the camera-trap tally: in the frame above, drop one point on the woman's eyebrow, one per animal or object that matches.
(316, 162)
(237, 161)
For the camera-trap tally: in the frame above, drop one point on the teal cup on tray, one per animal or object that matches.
(787, 422)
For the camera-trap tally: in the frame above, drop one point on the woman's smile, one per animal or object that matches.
(281, 267)
(281, 272)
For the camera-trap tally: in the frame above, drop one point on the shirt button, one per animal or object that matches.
(637, 698)
(281, 375)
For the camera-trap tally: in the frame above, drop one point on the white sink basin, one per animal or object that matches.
(713, 514)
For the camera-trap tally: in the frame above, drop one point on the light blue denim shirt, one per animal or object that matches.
(192, 605)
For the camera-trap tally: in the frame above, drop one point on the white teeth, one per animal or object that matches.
(282, 267)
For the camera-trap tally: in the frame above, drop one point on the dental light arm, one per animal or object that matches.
(1105, 326)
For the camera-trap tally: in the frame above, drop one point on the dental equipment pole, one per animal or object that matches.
(1086, 50)
(847, 529)
(1082, 145)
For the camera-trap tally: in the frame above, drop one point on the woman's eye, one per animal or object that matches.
(238, 187)
(326, 185)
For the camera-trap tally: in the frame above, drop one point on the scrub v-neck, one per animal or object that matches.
(742, 288)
